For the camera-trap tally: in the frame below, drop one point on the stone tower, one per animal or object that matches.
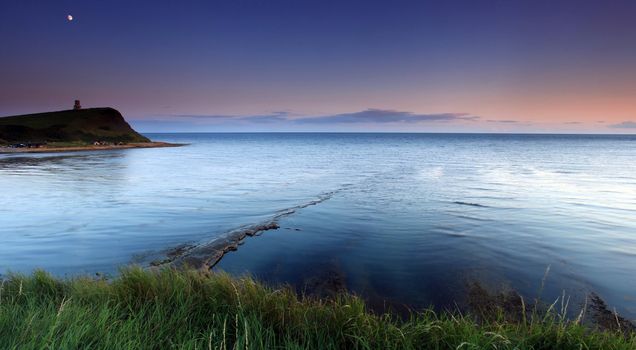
(77, 105)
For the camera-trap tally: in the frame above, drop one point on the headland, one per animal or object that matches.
(72, 130)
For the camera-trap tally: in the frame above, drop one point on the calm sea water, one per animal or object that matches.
(416, 217)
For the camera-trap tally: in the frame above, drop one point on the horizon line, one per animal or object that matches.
(384, 132)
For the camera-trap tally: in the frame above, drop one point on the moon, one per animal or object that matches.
(69, 17)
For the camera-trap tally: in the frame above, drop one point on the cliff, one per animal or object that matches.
(70, 126)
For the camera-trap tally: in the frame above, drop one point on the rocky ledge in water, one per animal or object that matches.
(206, 254)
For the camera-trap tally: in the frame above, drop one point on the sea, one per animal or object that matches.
(399, 219)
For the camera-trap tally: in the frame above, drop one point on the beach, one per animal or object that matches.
(46, 149)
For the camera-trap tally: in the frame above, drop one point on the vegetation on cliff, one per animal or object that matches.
(70, 127)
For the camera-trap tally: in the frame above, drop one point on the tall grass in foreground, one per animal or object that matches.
(194, 310)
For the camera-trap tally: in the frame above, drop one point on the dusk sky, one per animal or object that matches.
(421, 66)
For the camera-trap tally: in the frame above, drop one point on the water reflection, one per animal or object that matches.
(421, 215)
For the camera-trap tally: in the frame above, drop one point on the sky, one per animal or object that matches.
(269, 65)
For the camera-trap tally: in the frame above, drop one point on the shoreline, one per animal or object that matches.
(7, 150)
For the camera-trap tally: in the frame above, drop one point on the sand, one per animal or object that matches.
(46, 149)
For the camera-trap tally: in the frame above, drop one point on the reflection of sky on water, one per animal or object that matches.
(418, 217)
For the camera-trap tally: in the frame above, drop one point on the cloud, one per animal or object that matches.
(572, 123)
(369, 116)
(266, 118)
(624, 125)
(200, 117)
(503, 121)
(384, 116)
(277, 117)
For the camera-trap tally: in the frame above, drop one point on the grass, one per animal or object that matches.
(165, 309)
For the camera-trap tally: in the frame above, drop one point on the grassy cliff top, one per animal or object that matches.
(70, 126)
(188, 309)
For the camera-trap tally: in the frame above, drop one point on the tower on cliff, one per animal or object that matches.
(77, 105)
